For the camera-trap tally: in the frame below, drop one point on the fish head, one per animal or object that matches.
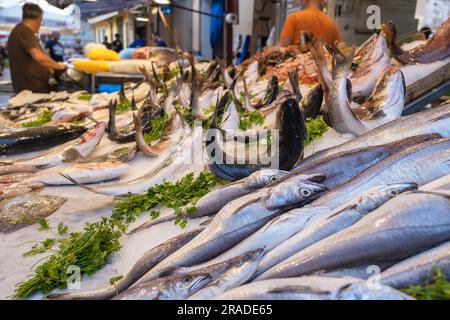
(380, 195)
(251, 256)
(263, 178)
(293, 193)
(186, 285)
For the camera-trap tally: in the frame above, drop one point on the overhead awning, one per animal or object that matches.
(64, 20)
(103, 17)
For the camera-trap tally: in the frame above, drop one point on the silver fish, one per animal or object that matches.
(436, 120)
(385, 105)
(402, 227)
(310, 288)
(342, 167)
(169, 288)
(332, 222)
(236, 221)
(420, 164)
(232, 278)
(418, 269)
(217, 199)
(148, 261)
(165, 289)
(375, 60)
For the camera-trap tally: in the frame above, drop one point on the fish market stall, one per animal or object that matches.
(230, 182)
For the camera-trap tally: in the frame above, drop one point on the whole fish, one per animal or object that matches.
(232, 278)
(436, 120)
(418, 269)
(385, 105)
(83, 145)
(38, 138)
(402, 227)
(145, 290)
(434, 49)
(217, 199)
(342, 167)
(236, 221)
(140, 268)
(366, 76)
(26, 209)
(419, 164)
(333, 221)
(311, 288)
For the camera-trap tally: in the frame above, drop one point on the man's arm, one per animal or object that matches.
(44, 60)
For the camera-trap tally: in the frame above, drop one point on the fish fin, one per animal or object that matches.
(76, 182)
(298, 290)
(71, 155)
(249, 203)
(350, 207)
(316, 177)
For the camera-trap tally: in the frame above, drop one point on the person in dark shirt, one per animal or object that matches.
(30, 65)
(55, 48)
(157, 39)
(106, 43)
(117, 45)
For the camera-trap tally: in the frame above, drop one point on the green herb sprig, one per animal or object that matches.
(171, 195)
(123, 106)
(159, 125)
(85, 97)
(249, 119)
(316, 129)
(438, 289)
(43, 118)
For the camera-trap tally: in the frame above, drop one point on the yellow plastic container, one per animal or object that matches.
(91, 66)
(103, 55)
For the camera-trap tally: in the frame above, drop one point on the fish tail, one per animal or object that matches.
(341, 62)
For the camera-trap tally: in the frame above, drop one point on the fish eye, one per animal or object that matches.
(247, 258)
(394, 193)
(305, 193)
(187, 280)
(273, 178)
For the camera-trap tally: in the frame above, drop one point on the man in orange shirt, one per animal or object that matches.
(311, 19)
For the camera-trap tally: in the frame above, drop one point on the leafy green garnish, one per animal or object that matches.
(439, 289)
(171, 195)
(43, 118)
(123, 106)
(45, 246)
(88, 250)
(114, 280)
(316, 129)
(250, 119)
(159, 125)
(85, 97)
(44, 224)
(62, 229)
